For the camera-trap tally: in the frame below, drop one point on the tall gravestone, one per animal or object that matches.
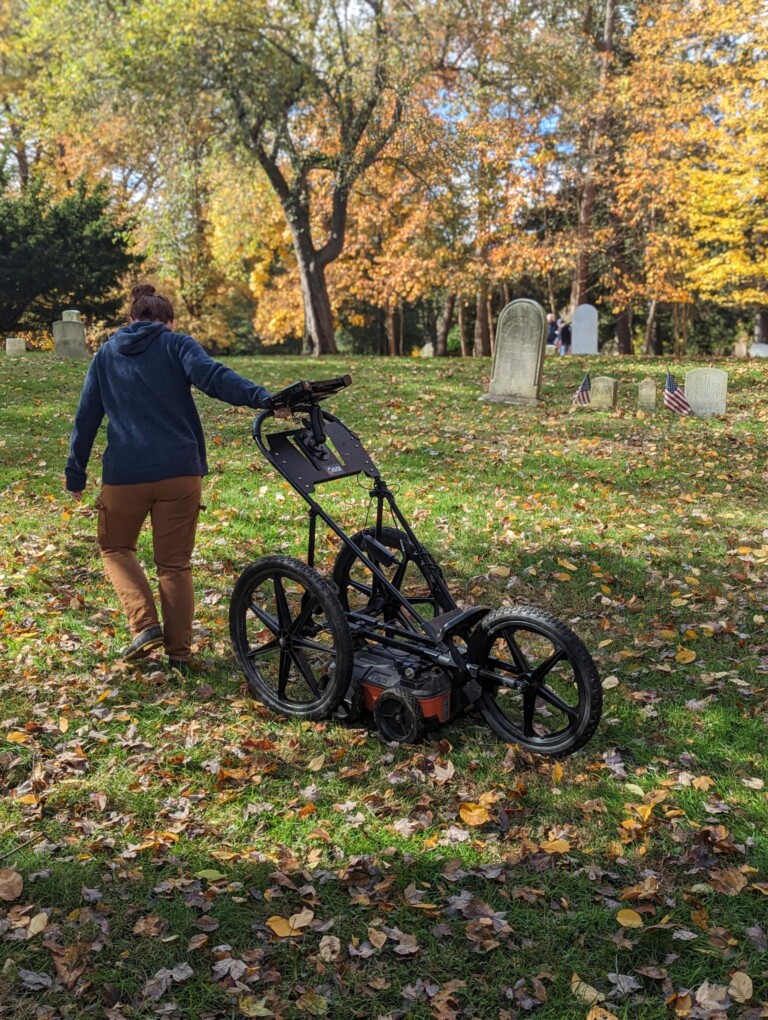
(584, 330)
(605, 393)
(706, 390)
(69, 336)
(15, 347)
(518, 355)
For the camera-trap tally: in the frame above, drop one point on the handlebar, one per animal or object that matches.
(302, 395)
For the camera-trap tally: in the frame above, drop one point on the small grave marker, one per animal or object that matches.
(15, 347)
(646, 395)
(605, 393)
(706, 390)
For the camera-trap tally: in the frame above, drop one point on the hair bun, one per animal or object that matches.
(141, 289)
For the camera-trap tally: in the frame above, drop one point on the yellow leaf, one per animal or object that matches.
(629, 918)
(600, 1013)
(63, 724)
(474, 814)
(585, 992)
(557, 772)
(499, 571)
(567, 564)
(316, 763)
(556, 846)
(685, 655)
(670, 635)
(280, 926)
(17, 737)
(562, 577)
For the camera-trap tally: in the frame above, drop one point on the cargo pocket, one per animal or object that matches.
(101, 527)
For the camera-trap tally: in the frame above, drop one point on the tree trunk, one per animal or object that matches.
(491, 330)
(444, 323)
(400, 336)
(551, 292)
(594, 132)
(462, 329)
(482, 348)
(761, 326)
(624, 331)
(318, 317)
(391, 332)
(651, 337)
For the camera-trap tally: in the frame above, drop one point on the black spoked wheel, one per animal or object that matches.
(541, 689)
(361, 592)
(291, 638)
(398, 717)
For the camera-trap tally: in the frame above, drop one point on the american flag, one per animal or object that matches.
(582, 394)
(674, 398)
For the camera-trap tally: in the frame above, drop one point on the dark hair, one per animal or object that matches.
(149, 306)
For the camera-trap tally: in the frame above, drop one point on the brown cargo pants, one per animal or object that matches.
(173, 506)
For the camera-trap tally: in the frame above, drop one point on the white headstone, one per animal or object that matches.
(758, 351)
(69, 336)
(15, 346)
(518, 354)
(740, 349)
(706, 390)
(646, 395)
(428, 350)
(584, 330)
(605, 393)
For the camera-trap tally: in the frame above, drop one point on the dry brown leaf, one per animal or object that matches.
(38, 923)
(11, 884)
(740, 987)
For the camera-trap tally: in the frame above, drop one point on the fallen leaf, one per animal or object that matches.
(556, 846)
(585, 992)
(474, 814)
(740, 987)
(629, 918)
(11, 884)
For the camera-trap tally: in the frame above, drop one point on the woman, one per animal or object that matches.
(153, 464)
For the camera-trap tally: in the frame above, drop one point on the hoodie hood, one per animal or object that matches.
(136, 337)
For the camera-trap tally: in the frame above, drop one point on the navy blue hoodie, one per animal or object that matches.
(140, 379)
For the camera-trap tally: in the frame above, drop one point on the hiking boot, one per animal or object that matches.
(143, 644)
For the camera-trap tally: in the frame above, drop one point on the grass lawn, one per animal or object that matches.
(158, 834)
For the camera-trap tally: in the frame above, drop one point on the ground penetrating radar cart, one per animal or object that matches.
(385, 635)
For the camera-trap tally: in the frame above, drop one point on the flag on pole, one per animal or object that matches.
(674, 398)
(583, 394)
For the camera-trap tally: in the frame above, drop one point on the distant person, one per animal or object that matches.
(552, 337)
(564, 333)
(153, 465)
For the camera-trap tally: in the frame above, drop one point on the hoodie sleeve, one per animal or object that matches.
(216, 380)
(88, 418)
